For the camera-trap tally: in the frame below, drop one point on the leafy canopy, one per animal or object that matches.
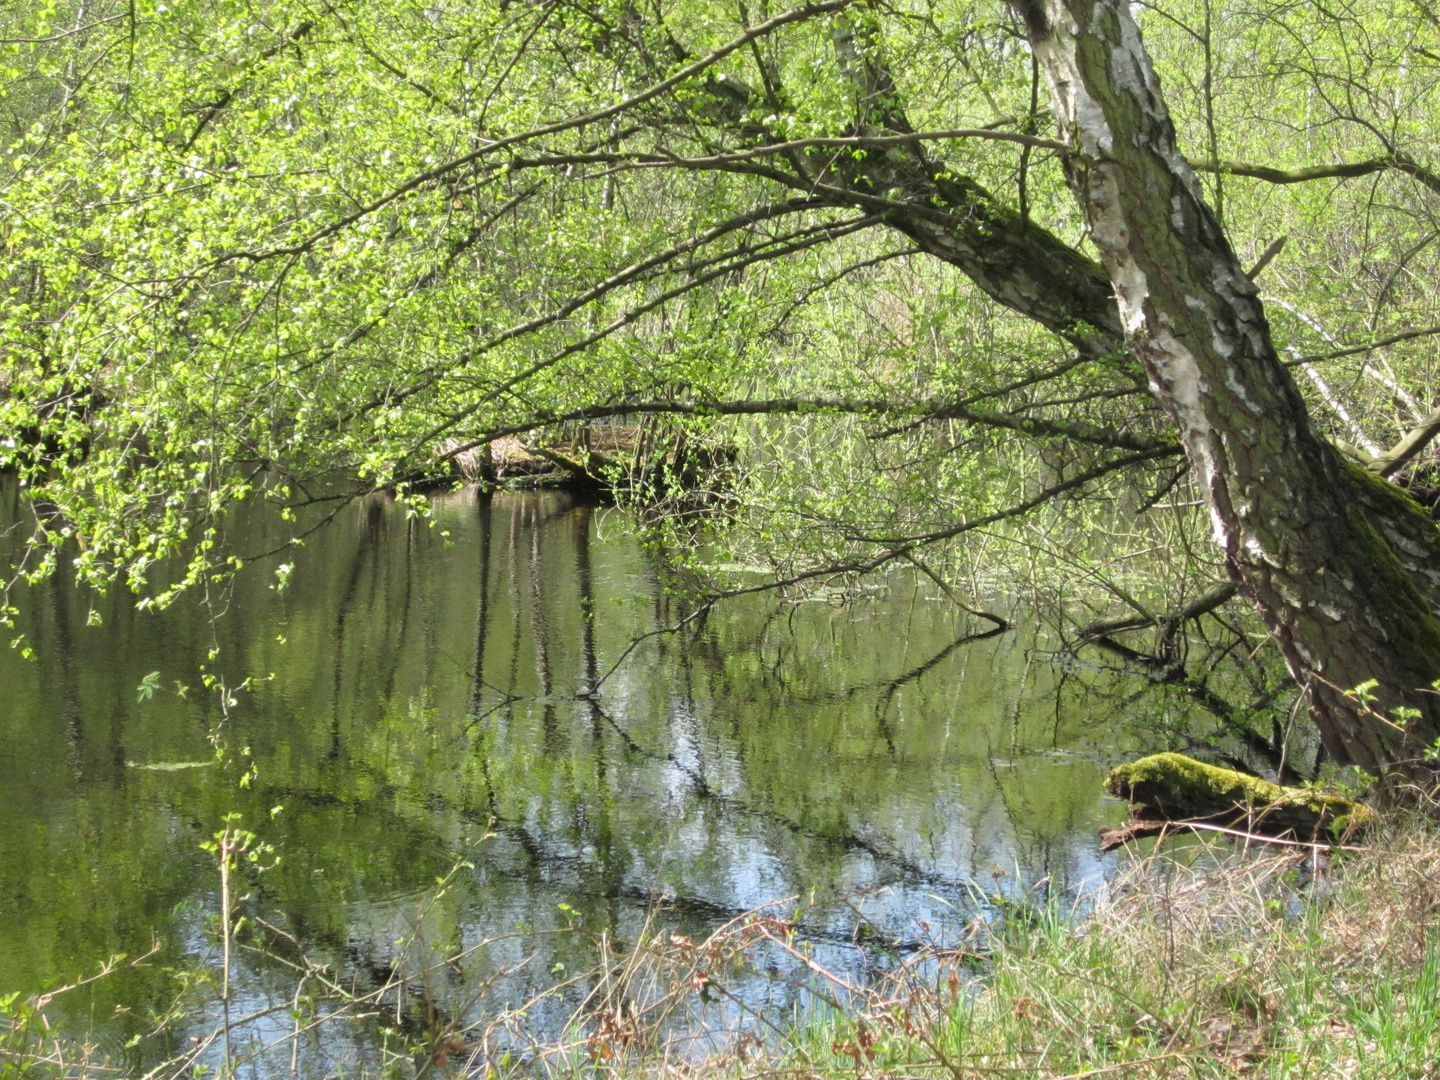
(252, 244)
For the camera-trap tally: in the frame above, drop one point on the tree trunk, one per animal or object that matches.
(1293, 519)
(953, 218)
(1032, 271)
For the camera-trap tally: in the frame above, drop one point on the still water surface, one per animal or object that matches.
(425, 694)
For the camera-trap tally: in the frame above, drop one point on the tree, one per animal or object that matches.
(247, 246)
(1319, 548)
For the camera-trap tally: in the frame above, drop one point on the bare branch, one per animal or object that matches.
(1203, 604)
(1341, 171)
(1266, 256)
(1270, 174)
(1404, 451)
(1393, 339)
(1000, 622)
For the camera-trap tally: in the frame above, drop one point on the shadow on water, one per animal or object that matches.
(422, 694)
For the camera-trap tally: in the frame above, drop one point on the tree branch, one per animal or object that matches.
(225, 96)
(1104, 468)
(634, 272)
(799, 241)
(1341, 171)
(1270, 174)
(928, 410)
(665, 160)
(1415, 440)
(419, 180)
(1203, 604)
(1274, 248)
(1393, 339)
(905, 545)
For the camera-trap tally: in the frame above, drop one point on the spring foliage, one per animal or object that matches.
(247, 245)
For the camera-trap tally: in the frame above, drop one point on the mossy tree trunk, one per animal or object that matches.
(1172, 789)
(1345, 590)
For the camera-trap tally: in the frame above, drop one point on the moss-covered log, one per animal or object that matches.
(1172, 789)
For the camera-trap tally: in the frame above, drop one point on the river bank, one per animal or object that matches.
(1273, 962)
(464, 703)
(1204, 959)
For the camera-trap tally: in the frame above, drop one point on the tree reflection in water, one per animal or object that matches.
(425, 693)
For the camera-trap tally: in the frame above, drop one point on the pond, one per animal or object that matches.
(455, 731)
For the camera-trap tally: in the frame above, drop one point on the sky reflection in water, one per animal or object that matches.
(421, 695)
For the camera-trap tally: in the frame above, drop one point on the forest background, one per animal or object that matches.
(836, 282)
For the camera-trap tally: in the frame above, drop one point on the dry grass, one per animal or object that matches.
(1217, 963)
(1205, 960)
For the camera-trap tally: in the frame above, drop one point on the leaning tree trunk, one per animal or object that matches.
(1342, 604)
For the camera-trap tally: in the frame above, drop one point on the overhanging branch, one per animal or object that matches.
(1353, 350)
(786, 246)
(570, 123)
(1203, 604)
(636, 271)
(819, 406)
(1079, 480)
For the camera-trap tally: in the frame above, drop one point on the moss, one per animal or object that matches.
(1381, 502)
(1382, 497)
(1176, 786)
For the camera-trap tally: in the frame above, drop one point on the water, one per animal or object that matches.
(456, 702)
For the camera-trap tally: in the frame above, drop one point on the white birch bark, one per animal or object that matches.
(1294, 521)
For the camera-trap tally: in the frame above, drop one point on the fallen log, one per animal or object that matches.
(1169, 791)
